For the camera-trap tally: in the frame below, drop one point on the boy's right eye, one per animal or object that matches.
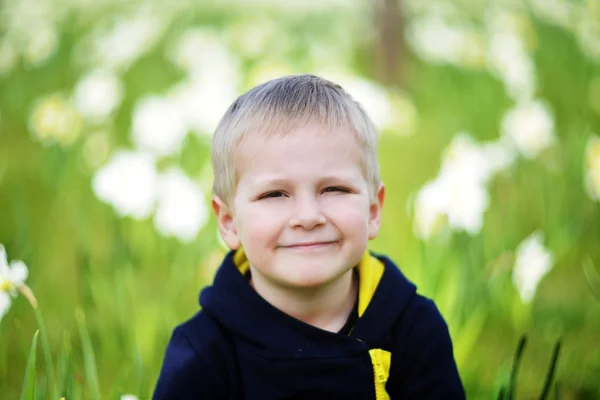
(272, 195)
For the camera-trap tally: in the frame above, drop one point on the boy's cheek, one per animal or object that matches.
(348, 212)
(258, 230)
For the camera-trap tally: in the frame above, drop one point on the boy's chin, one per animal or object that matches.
(312, 277)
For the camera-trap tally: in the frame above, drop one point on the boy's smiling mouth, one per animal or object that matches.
(310, 245)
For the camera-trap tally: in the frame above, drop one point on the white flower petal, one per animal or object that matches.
(5, 302)
(18, 272)
(128, 39)
(530, 128)
(182, 210)
(213, 82)
(430, 210)
(202, 101)
(373, 97)
(465, 157)
(98, 94)
(533, 261)
(3, 262)
(467, 200)
(128, 183)
(158, 125)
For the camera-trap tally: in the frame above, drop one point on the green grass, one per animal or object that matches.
(112, 289)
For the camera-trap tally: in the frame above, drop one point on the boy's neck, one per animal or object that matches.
(326, 307)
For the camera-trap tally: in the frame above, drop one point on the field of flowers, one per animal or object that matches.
(489, 115)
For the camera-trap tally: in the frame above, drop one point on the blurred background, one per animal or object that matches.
(488, 113)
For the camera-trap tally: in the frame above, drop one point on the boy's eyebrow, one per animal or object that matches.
(269, 181)
(273, 181)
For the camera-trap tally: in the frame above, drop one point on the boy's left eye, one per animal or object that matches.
(336, 189)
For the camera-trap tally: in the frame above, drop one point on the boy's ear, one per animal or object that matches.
(375, 212)
(226, 224)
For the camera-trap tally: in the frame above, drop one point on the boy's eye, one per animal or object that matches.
(336, 189)
(271, 195)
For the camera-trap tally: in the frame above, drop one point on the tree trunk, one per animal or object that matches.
(390, 36)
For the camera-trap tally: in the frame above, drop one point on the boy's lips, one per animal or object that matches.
(310, 245)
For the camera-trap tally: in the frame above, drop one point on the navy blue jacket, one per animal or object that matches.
(241, 347)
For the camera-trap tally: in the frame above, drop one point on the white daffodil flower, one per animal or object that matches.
(12, 277)
(533, 261)
(213, 81)
(459, 205)
(158, 126)
(429, 210)
(478, 162)
(128, 182)
(377, 101)
(509, 60)
(129, 397)
(465, 157)
(466, 200)
(197, 48)
(55, 120)
(436, 40)
(530, 127)
(558, 12)
(458, 196)
(98, 94)
(182, 209)
(41, 44)
(128, 39)
(202, 100)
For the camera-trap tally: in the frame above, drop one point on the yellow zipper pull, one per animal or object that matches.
(381, 361)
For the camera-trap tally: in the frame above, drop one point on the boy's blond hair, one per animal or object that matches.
(280, 106)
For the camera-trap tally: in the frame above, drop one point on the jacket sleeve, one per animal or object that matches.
(189, 372)
(423, 365)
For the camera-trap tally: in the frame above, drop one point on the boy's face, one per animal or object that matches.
(301, 208)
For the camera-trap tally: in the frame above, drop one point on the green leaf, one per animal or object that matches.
(65, 368)
(89, 359)
(46, 352)
(592, 277)
(551, 372)
(28, 392)
(467, 336)
(512, 383)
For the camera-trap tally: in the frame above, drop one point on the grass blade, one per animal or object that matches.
(592, 277)
(46, 351)
(515, 369)
(28, 392)
(89, 359)
(550, 375)
(65, 368)
(501, 394)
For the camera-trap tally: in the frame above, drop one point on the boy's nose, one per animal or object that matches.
(307, 214)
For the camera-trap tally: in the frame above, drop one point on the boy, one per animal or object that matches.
(299, 308)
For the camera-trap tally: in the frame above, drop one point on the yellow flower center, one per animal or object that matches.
(5, 286)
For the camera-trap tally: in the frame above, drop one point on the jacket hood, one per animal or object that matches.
(382, 296)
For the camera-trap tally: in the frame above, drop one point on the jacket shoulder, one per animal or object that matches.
(423, 364)
(419, 311)
(199, 362)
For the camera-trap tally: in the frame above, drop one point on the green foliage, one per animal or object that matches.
(113, 287)
(29, 383)
(508, 392)
(89, 360)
